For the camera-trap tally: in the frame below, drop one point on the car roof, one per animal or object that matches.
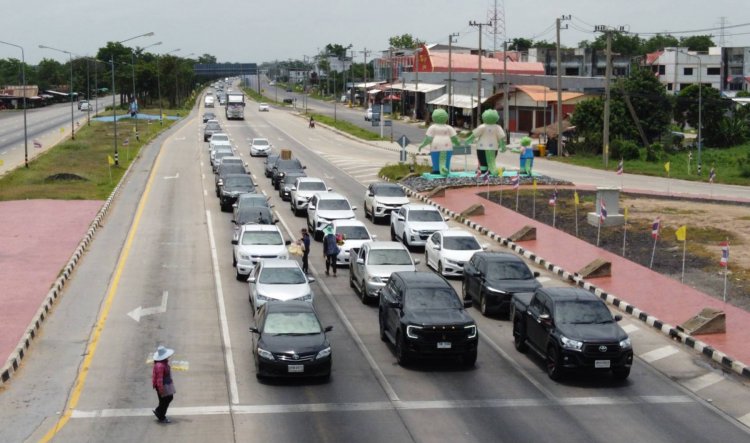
(256, 227)
(568, 293)
(418, 207)
(251, 195)
(424, 279)
(289, 306)
(310, 179)
(280, 263)
(496, 256)
(219, 134)
(456, 233)
(385, 245)
(350, 222)
(259, 139)
(328, 195)
(383, 185)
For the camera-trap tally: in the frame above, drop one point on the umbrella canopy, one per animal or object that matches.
(551, 129)
(392, 97)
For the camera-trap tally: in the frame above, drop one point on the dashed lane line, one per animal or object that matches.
(630, 328)
(704, 381)
(658, 354)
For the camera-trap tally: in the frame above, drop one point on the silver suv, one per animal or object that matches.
(256, 242)
(304, 188)
(373, 263)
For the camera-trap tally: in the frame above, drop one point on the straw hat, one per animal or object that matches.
(162, 353)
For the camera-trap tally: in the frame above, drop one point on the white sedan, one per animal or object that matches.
(447, 251)
(263, 107)
(353, 233)
(260, 146)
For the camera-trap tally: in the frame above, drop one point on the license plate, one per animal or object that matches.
(601, 364)
(444, 345)
(296, 368)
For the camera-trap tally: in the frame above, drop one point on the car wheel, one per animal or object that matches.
(620, 373)
(405, 242)
(402, 354)
(483, 305)
(364, 206)
(469, 359)
(519, 337)
(234, 261)
(554, 369)
(383, 337)
(440, 268)
(238, 276)
(393, 234)
(351, 282)
(464, 291)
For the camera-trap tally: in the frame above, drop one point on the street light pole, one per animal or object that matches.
(70, 92)
(23, 80)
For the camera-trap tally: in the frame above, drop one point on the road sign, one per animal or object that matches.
(387, 122)
(462, 150)
(403, 141)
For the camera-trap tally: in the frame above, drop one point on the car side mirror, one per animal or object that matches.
(271, 206)
(254, 330)
(311, 207)
(446, 219)
(618, 317)
(276, 220)
(437, 247)
(235, 242)
(468, 303)
(328, 329)
(360, 261)
(304, 167)
(288, 242)
(394, 304)
(310, 279)
(330, 189)
(293, 188)
(536, 274)
(369, 194)
(251, 279)
(220, 182)
(484, 246)
(417, 261)
(400, 218)
(234, 205)
(354, 208)
(545, 319)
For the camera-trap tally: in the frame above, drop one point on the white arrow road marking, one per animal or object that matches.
(180, 138)
(140, 311)
(177, 175)
(328, 177)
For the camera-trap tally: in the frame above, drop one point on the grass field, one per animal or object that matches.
(79, 169)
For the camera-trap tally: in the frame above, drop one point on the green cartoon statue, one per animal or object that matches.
(527, 155)
(490, 138)
(441, 138)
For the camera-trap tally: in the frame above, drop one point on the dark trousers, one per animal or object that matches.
(331, 263)
(305, 261)
(161, 410)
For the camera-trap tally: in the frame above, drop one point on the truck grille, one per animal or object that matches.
(290, 357)
(442, 333)
(601, 350)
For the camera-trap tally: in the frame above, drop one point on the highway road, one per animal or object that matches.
(166, 238)
(42, 124)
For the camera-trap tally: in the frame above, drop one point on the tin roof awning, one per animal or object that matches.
(412, 87)
(457, 101)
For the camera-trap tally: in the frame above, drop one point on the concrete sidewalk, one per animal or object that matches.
(650, 296)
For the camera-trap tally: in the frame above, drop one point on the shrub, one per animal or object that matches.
(586, 144)
(625, 149)
(654, 152)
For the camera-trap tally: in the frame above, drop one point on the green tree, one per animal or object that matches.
(713, 111)
(520, 44)
(699, 43)
(658, 42)
(335, 50)
(405, 41)
(624, 44)
(650, 101)
(544, 44)
(207, 59)
(50, 74)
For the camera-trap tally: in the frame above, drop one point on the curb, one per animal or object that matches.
(667, 329)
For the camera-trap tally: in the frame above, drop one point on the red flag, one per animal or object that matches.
(655, 228)
(724, 254)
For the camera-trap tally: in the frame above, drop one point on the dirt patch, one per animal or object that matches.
(64, 176)
(708, 223)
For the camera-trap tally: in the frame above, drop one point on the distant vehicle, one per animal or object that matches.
(323, 208)
(218, 153)
(353, 234)
(413, 224)
(268, 164)
(210, 129)
(571, 328)
(226, 169)
(80, 103)
(272, 83)
(288, 89)
(290, 342)
(303, 190)
(448, 251)
(84, 106)
(260, 147)
(235, 106)
(372, 264)
(256, 242)
(208, 116)
(249, 200)
(281, 280)
(218, 139)
(383, 198)
(421, 314)
(491, 279)
(263, 107)
(371, 115)
(209, 101)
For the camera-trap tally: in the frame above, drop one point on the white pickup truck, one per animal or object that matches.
(413, 224)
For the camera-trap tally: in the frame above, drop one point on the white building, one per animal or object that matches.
(678, 68)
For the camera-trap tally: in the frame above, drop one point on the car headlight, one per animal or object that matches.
(244, 257)
(411, 331)
(281, 174)
(625, 344)
(262, 297)
(265, 354)
(496, 291)
(324, 353)
(573, 345)
(471, 330)
(376, 279)
(284, 256)
(307, 297)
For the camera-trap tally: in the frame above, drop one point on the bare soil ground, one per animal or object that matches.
(708, 224)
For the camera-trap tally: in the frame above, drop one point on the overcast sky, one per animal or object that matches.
(258, 31)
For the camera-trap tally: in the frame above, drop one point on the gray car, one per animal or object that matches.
(211, 128)
(374, 264)
(279, 279)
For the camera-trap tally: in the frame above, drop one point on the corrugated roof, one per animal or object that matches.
(458, 101)
(469, 63)
(412, 87)
(541, 93)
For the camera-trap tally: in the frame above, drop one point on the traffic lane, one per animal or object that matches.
(349, 369)
(604, 381)
(169, 253)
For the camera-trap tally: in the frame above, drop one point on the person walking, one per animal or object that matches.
(305, 243)
(312, 122)
(330, 249)
(162, 382)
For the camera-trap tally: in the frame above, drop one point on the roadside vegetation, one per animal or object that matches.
(347, 127)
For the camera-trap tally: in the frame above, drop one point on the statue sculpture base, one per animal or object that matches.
(473, 174)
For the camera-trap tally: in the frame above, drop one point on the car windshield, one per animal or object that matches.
(230, 168)
(291, 178)
(251, 200)
(239, 181)
(582, 312)
(288, 164)
(396, 257)
(504, 270)
(213, 127)
(353, 232)
(460, 243)
(291, 323)
(282, 276)
(431, 298)
(260, 142)
(312, 186)
(254, 214)
(334, 204)
(425, 216)
(231, 160)
(219, 138)
(389, 191)
(262, 238)
(271, 160)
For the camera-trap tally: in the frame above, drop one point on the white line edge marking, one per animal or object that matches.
(704, 381)
(658, 354)
(630, 328)
(234, 396)
(389, 391)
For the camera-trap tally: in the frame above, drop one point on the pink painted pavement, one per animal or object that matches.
(662, 297)
(37, 238)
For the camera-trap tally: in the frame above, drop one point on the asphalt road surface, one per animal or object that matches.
(167, 242)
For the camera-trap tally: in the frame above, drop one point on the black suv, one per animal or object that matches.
(282, 167)
(268, 164)
(231, 186)
(491, 279)
(422, 316)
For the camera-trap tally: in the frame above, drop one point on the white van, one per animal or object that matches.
(208, 102)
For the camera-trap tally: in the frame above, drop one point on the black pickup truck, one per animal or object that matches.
(571, 329)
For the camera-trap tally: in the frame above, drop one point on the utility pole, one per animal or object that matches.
(608, 75)
(479, 77)
(351, 79)
(558, 69)
(450, 74)
(366, 99)
(506, 111)
(416, 79)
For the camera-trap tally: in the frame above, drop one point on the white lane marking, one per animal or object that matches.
(704, 381)
(630, 328)
(368, 181)
(203, 176)
(140, 311)
(362, 168)
(233, 393)
(745, 419)
(359, 177)
(168, 177)
(205, 192)
(658, 354)
(389, 391)
(386, 406)
(256, 178)
(542, 279)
